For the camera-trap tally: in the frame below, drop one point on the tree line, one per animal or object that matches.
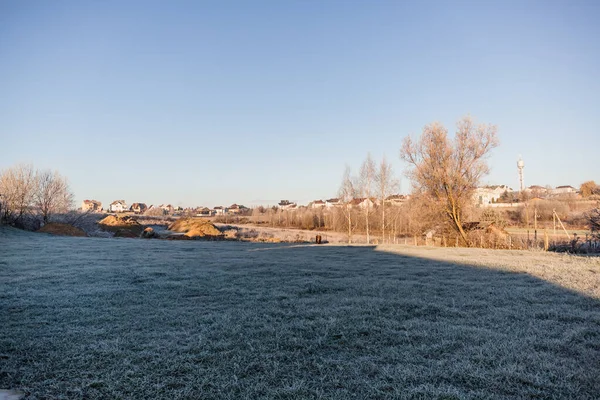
(30, 196)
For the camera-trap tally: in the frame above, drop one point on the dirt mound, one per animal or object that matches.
(115, 220)
(56, 228)
(115, 223)
(192, 227)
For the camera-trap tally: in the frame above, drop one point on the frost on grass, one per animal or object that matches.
(91, 318)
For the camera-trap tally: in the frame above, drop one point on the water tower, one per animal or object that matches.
(521, 165)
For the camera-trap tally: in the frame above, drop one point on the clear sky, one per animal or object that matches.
(215, 102)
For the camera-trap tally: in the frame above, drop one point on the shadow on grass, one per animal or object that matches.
(93, 318)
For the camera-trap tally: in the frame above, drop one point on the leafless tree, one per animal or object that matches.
(366, 185)
(386, 185)
(589, 188)
(449, 170)
(346, 193)
(17, 187)
(52, 194)
(593, 217)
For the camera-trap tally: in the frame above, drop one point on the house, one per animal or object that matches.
(234, 209)
(286, 205)
(396, 199)
(317, 204)
(167, 208)
(487, 195)
(335, 202)
(118, 206)
(219, 210)
(362, 202)
(138, 208)
(567, 189)
(204, 212)
(91, 206)
(537, 191)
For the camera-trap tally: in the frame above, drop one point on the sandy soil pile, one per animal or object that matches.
(120, 225)
(56, 228)
(192, 227)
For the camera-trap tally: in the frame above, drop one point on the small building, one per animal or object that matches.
(396, 199)
(219, 210)
(138, 208)
(487, 195)
(286, 205)
(234, 209)
(204, 212)
(363, 202)
(91, 206)
(335, 202)
(560, 190)
(317, 204)
(118, 206)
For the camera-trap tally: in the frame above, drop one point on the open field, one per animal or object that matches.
(125, 318)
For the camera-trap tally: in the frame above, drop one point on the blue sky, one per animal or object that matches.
(208, 103)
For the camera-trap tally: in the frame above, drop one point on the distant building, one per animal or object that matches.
(219, 210)
(335, 202)
(363, 203)
(118, 206)
(396, 199)
(286, 205)
(487, 195)
(317, 204)
(204, 212)
(559, 190)
(91, 206)
(138, 208)
(234, 209)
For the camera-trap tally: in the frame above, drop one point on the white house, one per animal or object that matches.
(118, 206)
(363, 202)
(318, 204)
(335, 202)
(567, 189)
(286, 205)
(487, 195)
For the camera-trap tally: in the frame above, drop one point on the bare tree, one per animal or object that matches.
(589, 188)
(52, 194)
(366, 184)
(17, 186)
(346, 193)
(449, 170)
(386, 184)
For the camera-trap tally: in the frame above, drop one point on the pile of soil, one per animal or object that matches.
(197, 228)
(56, 228)
(117, 224)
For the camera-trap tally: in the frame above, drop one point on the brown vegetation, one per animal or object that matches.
(56, 228)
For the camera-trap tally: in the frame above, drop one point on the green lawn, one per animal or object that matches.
(125, 318)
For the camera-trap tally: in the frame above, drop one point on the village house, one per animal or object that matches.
(396, 199)
(317, 204)
(234, 209)
(486, 195)
(118, 206)
(138, 208)
(204, 212)
(335, 202)
(363, 202)
(286, 205)
(167, 208)
(91, 206)
(562, 190)
(219, 210)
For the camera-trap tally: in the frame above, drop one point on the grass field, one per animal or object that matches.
(131, 319)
